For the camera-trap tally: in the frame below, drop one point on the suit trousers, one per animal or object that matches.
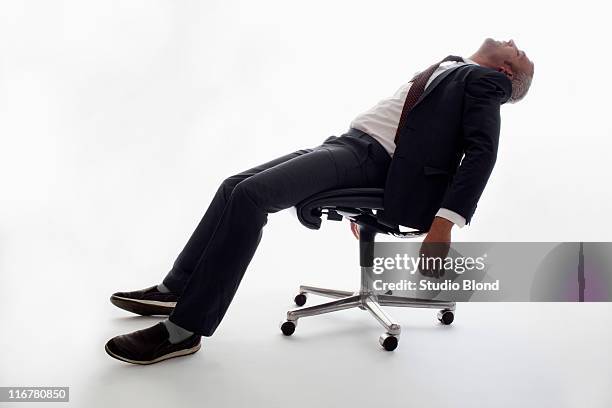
(207, 272)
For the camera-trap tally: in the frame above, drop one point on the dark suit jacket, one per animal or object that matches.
(447, 147)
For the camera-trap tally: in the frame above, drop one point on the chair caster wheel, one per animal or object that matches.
(300, 299)
(388, 341)
(288, 327)
(446, 316)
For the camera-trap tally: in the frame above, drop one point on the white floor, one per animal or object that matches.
(55, 318)
(502, 355)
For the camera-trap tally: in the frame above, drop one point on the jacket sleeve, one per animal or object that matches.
(484, 94)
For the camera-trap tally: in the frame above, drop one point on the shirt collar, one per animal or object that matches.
(469, 61)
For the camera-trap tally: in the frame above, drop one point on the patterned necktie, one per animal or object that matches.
(417, 88)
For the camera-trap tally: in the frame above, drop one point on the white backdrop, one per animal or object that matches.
(119, 119)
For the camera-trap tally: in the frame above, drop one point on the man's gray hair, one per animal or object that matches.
(520, 85)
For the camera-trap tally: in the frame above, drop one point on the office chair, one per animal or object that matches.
(364, 206)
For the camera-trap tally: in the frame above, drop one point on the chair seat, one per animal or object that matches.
(356, 204)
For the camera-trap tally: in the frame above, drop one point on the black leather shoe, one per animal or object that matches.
(150, 346)
(145, 302)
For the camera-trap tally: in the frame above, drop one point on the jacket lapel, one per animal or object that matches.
(435, 83)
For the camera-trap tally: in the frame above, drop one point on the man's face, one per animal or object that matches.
(509, 58)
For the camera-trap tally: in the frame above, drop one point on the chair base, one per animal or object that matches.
(364, 300)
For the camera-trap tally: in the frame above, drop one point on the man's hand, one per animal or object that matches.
(436, 245)
(355, 229)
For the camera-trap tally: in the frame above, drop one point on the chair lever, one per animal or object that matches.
(333, 215)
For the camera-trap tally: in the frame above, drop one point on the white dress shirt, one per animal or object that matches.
(382, 119)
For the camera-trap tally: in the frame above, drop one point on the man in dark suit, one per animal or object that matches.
(432, 146)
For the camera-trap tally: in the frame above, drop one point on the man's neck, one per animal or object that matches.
(480, 60)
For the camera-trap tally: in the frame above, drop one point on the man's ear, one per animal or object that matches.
(506, 71)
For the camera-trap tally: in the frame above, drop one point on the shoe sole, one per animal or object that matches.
(178, 353)
(143, 307)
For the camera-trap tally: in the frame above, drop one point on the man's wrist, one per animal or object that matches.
(441, 224)
(452, 216)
